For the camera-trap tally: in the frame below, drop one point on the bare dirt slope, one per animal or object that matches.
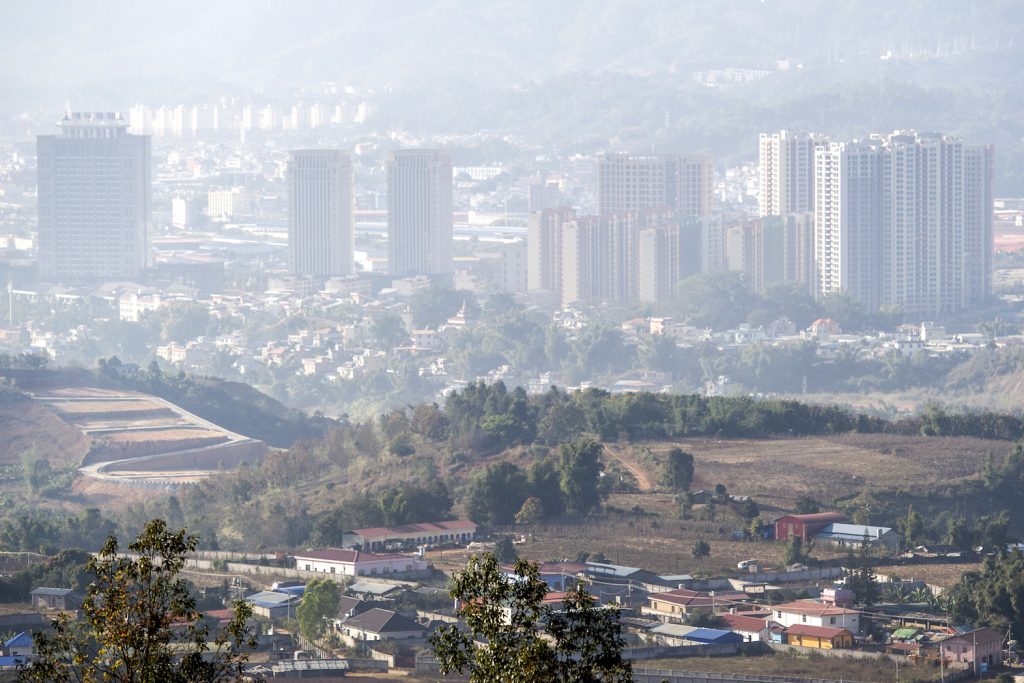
(28, 426)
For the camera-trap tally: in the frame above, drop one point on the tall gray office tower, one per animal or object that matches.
(321, 221)
(94, 200)
(419, 212)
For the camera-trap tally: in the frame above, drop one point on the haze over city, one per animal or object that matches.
(690, 330)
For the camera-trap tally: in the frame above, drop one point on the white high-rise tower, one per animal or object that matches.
(321, 222)
(94, 200)
(419, 212)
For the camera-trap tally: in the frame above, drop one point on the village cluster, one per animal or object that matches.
(392, 592)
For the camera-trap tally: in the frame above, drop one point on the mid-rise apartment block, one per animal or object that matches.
(682, 183)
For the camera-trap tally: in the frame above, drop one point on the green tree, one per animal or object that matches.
(585, 640)
(993, 596)
(505, 551)
(388, 331)
(579, 464)
(700, 548)
(860, 574)
(805, 505)
(531, 512)
(912, 527)
(496, 494)
(319, 603)
(678, 470)
(795, 551)
(133, 610)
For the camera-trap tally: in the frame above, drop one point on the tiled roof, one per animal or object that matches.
(747, 624)
(379, 620)
(816, 631)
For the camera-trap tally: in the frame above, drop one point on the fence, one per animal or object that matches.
(680, 651)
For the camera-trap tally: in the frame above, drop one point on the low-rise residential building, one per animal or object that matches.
(819, 637)
(753, 626)
(675, 605)
(21, 645)
(814, 613)
(273, 605)
(358, 563)
(55, 598)
(381, 624)
(977, 645)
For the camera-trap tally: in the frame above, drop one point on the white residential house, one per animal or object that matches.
(816, 614)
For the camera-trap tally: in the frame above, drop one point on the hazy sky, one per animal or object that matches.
(52, 46)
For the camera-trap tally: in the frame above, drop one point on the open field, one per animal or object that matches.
(77, 408)
(777, 471)
(646, 529)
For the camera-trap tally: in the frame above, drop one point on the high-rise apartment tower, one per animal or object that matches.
(321, 223)
(419, 212)
(94, 200)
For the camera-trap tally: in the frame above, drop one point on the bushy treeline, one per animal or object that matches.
(489, 418)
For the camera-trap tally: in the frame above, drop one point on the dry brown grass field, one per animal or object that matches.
(777, 471)
(84, 408)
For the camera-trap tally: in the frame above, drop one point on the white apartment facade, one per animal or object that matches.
(321, 218)
(419, 212)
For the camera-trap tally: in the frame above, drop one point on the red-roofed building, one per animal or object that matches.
(460, 531)
(804, 526)
(819, 637)
(358, 563)
(753, 626)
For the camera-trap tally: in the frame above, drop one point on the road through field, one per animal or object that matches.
(627, 458)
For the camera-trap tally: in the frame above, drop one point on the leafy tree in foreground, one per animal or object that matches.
(585, 639)
(318, 602)
(133, 609)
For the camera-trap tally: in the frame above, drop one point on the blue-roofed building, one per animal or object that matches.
(680, 634)
(273, 604)
(19, 646)
(853, 535)
(12, 662)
